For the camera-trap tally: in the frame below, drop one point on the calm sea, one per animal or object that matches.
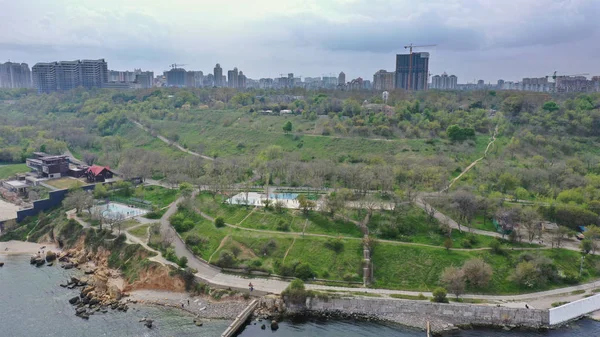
(32, 304)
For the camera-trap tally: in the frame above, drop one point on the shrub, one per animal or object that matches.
(219, 222)
(226, 259)
(497, 247)
(182, 262)
(296, 292)
(350, 277)
(283, 226)
(195, 240)
(335, 244)
(184, 226)
(268, 247)
(235, 250)
(439, 295)
(303, 271)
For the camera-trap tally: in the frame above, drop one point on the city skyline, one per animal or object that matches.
(475, 40)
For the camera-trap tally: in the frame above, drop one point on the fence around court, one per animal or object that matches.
(139, 203)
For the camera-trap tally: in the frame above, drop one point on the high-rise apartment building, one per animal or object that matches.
(417, 65)
(232, 78)
(209, 80)
(218, 73)
(384, 80)
(67, 75)
(176, 77)
(94, 73)
(241, 80)
(341, 78)
(444, 82)
(15, 75)
(44, 77)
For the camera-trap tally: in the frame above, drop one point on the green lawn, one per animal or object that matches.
(419, 268)
(7, 171)
(345, 265)
(157, 195)
(140, 232)
(263, 219)
(65, 183)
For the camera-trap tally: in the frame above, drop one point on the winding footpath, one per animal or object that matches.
(168, 142)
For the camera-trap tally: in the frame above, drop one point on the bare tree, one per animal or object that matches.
(530, 220)
(465, 204)
(477, 272)
(454, 280)
(90, 158)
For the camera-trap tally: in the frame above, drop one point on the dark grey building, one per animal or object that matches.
(175, 77)
(44, 77)
(419, 71)
(15, 75)
(218, 73)
(67, 75)
(232, 78)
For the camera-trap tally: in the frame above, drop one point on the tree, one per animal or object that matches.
(559, 235)
(182, 262)
(530, 220)
(586, 246)
(477, 272)
(448, 243)
(90, 158)
(439, 295)
(219, 222)
(454, 280)
(526, 274)
(593, 234)
(305, 204)
(79, 199)
(465, 204)
(550, 106)
(287, 127)
(186, 190)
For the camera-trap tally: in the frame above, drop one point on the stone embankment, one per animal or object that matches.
(441, 317)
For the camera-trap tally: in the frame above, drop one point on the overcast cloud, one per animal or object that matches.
(487, 39)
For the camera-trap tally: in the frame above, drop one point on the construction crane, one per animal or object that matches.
(410, 48)
(554, 76)
(175, 65)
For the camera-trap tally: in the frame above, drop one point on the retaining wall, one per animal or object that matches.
(574, 309)
(54, 200)
(457, 314)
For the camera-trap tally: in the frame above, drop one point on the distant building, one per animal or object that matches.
(67, 75)
(218, 74)
(444, 82)
(176, 77)
(209, 80)
(15, 75)
(241, 80)
(232, 78)
(384, 80)
(574, 84)
(418, 64)
(44, 77)
(341, 78)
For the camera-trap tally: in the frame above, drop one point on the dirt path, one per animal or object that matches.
(223, 242)
(288, 250)
(166, 141)
(468, 168)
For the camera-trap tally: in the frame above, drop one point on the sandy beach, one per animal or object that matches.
(25, 248)
(200, 306)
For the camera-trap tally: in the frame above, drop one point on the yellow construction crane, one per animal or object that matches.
(410, 48)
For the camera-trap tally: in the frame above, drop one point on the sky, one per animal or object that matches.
(474, 39)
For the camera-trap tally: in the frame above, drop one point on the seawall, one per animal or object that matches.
(417, 313)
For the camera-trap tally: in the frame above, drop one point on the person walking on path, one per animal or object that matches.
(250, 286)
